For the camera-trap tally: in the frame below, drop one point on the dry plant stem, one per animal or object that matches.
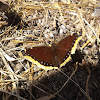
(40, 89)
(33, 42)
(82, 25)
(51, 91)
(3, 23)
(30, 80)
(40, 75)
(18, 76)
(85, 45)
(92, 30)
(8, 69)
(17, 48)
(81, 21)
(47, 92)
(13, 95)
(8, 58)
(60, 21)
(9, 81)
(31, 95)
(59, 8)
(49, 97)
(26, 71)
(68, 79)
(30, 72)
(38, 70)
(87, 90)
(6, 31)
(78, 96)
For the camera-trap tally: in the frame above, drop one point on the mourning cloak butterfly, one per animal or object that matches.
(53, 57)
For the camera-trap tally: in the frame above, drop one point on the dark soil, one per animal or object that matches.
(55, 80)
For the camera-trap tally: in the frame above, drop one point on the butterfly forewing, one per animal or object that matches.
(64, 47)
(42, 54)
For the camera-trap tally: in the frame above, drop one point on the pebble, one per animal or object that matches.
(96, 12)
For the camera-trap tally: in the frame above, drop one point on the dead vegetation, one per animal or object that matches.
(26, 23)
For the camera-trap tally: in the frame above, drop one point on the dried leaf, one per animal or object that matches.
(46, 97)
(3, 6)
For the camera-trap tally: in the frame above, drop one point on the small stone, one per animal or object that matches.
(96, 12)
(51, 28)
(18, 67)
(61, 31)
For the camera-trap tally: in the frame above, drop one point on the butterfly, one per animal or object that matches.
(54, 56)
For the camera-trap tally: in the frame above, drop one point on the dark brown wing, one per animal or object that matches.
(64, 47)
(42, 54)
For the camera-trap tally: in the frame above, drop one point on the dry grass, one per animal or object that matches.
(39, 20)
